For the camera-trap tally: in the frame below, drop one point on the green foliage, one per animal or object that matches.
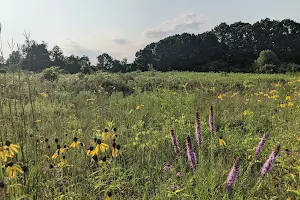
(51, 73)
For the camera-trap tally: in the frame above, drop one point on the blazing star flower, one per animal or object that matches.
(268, 165)
(190, 153)
(175, 141)
(262, 143)
(13, 169)
(198, 131)
(232, 176)
(212, 127)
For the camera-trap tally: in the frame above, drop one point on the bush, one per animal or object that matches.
(51, 73)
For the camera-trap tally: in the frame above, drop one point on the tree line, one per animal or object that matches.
(267, 46)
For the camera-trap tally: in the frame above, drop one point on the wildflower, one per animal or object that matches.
(38, 121)
(175, 141)
(287, 98)
(232, 176)
(290, 104)
(64, 149)
(179, 174)
(167, 167)
(190, 153)
(12, 148)
(95, 158)
(102, 147)
(261, 143)
(62, 162)
(56, 154)
(91, 152)
(108, 196)
(198, 131)
(281, 105)
(4, 153)
(139, 107)
(13, 169)
(222, 142)
(104, 162)
(271, 161)
(115, 149)
(212, 127)
(220, 97)
(248, 112)
(75, 143)
(44, 94)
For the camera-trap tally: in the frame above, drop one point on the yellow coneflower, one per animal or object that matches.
(57, 152)
(287, 98)
(12, 148)
(64, 149)
(91, 151)
(115, 150)
(102, 147)
(13, 169)
(62, 162)
(290, 104)
(4, 153)
(104, 162)
(281, 105)
(108, 196)
(222, 142)
(75, 143)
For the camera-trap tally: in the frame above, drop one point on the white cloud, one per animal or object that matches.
(186, 22)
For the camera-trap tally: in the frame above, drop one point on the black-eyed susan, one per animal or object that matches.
(57, 152)
(62, 162)
(4, 153)
(95, 158)
(64, 149)
(75, 143)
(221, 141)
(108, 196)
(56, 140)
(115, 150)
(101, 147)
(91, 151)
(12, 148)
(104, 162)
(12, 170)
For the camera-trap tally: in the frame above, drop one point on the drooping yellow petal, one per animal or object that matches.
(103, 147)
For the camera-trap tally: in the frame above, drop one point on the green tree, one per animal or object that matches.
(267, 62)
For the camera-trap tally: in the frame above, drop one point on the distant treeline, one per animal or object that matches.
(267, 46)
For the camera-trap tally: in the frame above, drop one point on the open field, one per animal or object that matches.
(137, 160)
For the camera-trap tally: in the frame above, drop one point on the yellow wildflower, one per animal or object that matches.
(115, 150)
(75, 143)
(91, 151)
(56, 154)
(220, 97)
(12, 148)
(38, 121)
(139, 107)
(248, 112)
(290, 104)
(222, 142)
(287, 98)
(272, 91)
(4, 154)
(281, 105)
(102, 147)
(108, 196)
(259, 101)
(13, 169)
(44, 94)
(62, 162)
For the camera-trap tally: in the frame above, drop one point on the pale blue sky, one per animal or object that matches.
(121, 27)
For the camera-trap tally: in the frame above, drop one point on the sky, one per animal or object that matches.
(122, 27)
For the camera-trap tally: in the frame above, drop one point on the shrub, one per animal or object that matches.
(51, 73)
